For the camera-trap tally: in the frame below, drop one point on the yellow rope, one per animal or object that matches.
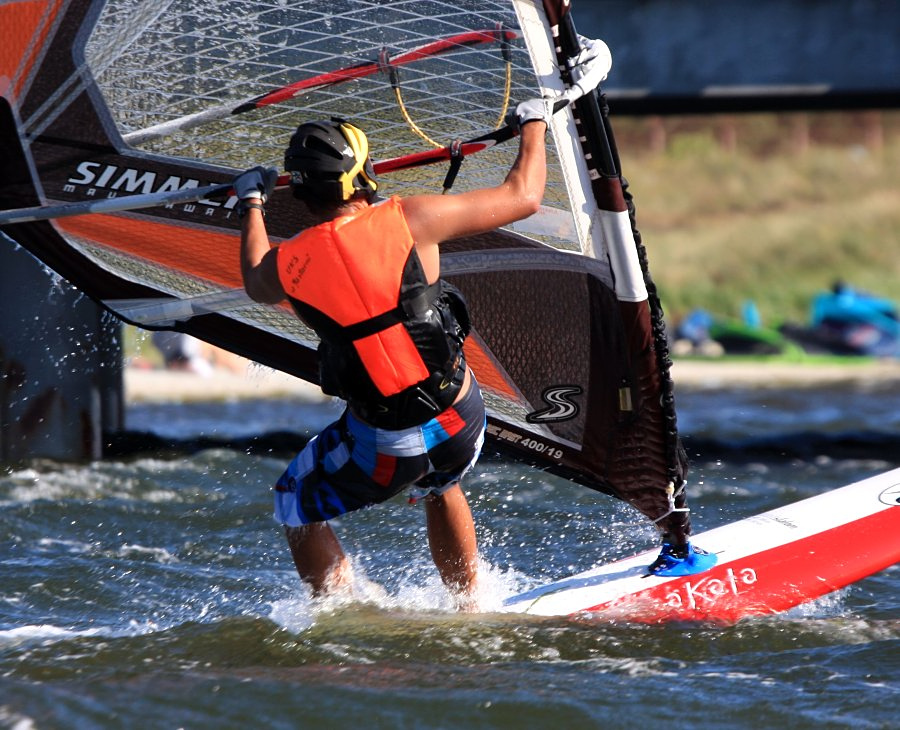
(507, 91)
(412, 125)
(395, 84)
(506, 94)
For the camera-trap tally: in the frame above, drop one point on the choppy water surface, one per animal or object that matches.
(156, 592)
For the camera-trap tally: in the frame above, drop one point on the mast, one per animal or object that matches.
(638, 301)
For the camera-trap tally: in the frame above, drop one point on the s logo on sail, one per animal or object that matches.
(560, 407)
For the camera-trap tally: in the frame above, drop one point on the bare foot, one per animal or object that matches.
(467, 600)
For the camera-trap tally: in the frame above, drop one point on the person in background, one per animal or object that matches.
(181, 352)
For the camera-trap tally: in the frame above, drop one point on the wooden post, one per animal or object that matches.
(726, 132)
(799, 126)
(873, 130)
(60, 365)
(657, 138)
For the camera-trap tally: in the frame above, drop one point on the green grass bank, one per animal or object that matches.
(769, 207)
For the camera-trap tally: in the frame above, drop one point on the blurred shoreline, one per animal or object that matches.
(143, 384)
(149, 385)
(759, 374)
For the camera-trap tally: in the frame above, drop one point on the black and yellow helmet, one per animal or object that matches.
(329, 162)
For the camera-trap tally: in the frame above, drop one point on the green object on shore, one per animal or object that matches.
(742, 339)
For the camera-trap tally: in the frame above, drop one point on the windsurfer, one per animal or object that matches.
(367, 279)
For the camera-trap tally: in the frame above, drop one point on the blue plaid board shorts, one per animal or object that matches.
(351, 464)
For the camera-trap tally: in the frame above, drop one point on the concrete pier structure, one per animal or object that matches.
(60, 365)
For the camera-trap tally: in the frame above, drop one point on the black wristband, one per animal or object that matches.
(243, 206)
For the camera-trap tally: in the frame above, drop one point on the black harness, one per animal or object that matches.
(436, 318)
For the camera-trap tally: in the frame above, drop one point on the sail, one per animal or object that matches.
(106, 100)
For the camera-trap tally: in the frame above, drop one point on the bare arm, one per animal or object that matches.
(436, 218)
(259, 266)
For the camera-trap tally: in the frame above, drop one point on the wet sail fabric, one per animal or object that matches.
(109, 99)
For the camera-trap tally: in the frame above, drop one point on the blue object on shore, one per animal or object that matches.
(861, 322)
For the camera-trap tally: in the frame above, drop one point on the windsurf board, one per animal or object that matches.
(766, 564)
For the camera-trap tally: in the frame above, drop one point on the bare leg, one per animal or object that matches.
(451, 537)
(318, 556)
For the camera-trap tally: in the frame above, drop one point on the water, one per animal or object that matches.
(155, 592)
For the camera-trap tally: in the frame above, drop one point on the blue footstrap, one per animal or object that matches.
(670, 563)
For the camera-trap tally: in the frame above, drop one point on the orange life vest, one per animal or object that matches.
(391, 344)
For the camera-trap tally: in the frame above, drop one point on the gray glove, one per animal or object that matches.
(257, 183)
(533, 110)
(591, 65)
(591, 51)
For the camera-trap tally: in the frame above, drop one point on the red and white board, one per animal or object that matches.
(766, 564)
